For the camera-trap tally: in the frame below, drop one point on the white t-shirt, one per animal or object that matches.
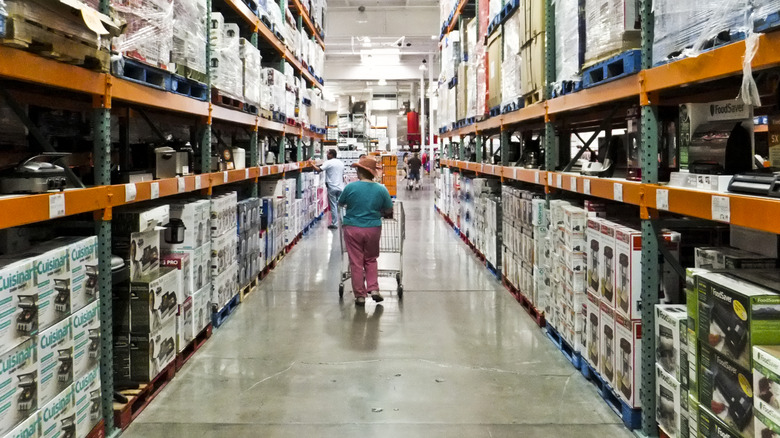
(334, 173)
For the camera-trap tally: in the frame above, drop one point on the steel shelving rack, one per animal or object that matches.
(651, 87)
(41, 79)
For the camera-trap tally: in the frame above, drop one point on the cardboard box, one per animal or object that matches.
(223, 213)
(495, 58)
(185, 264)
(19, 383)
(732, 258)
(88, 402)
(607, 262)
(726, 389)
(462, 86)
(671, 405)
(735, 314)
(55, 360)
(532, 21)
(593, 328)
(52, 280)
(141, 357)
(186, 330)
(693, 416)
(766, 383)
(143, 307)
(143, 255)
(593, 254)
(710, 426)
(201, 309)
(671, 341)
(532, 66)
(136, 238)
(86, 339)
(692, 304)
(58, 417)
(195, 216)
(18, 301)
(607, 342)
(83, 266)
(628, 359)
(29, 428)
(223, 252)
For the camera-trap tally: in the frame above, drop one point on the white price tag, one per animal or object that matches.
(225, 177)
(662, 199)
(586, 186)
(537, 177)
(574, 184)
(130, 192)
(56, 205)
(246, 173)
(550, 179)
(182, 184)
(155, 190)
(618, 189)
(197, 182)
(560, 181)
(721, 208)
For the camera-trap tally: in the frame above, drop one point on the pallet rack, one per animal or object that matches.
(34, 79)
(703, 77)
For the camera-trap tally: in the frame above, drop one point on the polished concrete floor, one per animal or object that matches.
(457, 358)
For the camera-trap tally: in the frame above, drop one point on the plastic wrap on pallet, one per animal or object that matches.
(612, 27)
(148, 35)
(446, 7)
(569, 48)
(763, 8)
(532, 65)
(511, 88)
(684, 29)
(450, 55)
(189, 34)
(275, 15)
(226, 74)
(512, 34)
(481, 80)
(471, 89)
(251, 67)
(495, 7)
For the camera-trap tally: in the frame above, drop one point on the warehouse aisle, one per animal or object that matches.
(458, 358)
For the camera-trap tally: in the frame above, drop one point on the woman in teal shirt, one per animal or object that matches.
(366, 202)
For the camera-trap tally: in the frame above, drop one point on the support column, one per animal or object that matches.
(254, 158)
(505, 140)
(479, 149)
(462, 149)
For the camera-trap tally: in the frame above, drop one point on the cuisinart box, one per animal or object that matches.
(736, 313)
(73, 291)
(83, 270)
(19, 383)
(18, 301)
(147, 305)
(58, 417)
(607, 343)
(29, 428)
(55, 360)
(766, 384)
(727, 390)
(86, 339)
(671, 405)
(52, 279)
(195, 218)
(88, 402)
(628, 359)
(671, 341)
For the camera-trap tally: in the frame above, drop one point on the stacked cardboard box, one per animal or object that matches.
(224, 240)
(612, 27)
(249, 243)
(226, 71)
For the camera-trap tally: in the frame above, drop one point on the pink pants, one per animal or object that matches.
(363, 249)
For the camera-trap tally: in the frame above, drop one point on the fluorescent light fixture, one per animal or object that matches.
(382, 82)
(390, 56)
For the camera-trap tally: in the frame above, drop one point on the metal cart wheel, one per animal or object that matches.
(341, 290)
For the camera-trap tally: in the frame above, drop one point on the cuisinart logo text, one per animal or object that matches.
(57, 408)
(83, 252)
(29, 431)
(53, 264)
(87, 380)
(16, 278)
(55, 337)
(17, 359)
(726, 109)
(85, 318)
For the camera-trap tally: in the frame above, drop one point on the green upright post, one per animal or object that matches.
(551, 154)
(205, 140)
(479, 149)
(505, 140)
(462, 149)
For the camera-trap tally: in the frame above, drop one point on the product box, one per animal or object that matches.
(593, 328)
(628, 360)
(711, 426)
(223, 213)
(736, 313)
(141, 357)
(29, 428)
(224, 287)
(18, 301)
(201, 310)
(86, 339)
(574, 220)
(607, 262)
(88, 402)
(183, 263)
(83, 270)
(607, 342)
(19, 383)
(194, 216)
(186, 330)
(495, 46)
(671, 341)
(144, 306)
(726, 389)
(143, 255)
(593, 250)
(55, 360)
(693, 416)
(58, 417)
(136, 238)
(732, 258)
(671, 405)
(766, 384)
(53, 282)
(223, 252)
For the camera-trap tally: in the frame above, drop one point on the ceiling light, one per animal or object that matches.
(382, 82)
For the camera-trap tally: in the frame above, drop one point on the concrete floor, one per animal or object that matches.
(457, 358)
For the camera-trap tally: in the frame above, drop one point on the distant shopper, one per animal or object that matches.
(366, 203)
(334, 181)
(414, 165)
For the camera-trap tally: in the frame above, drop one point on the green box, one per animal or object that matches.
(726, 390)
(711, 427)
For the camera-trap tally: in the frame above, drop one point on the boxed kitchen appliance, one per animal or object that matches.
(88, 402)
(186, 330)
(711, 426)
(628, 359)
(145, 306)
(194, 216)
(53, 282)
(724, 257)
(671, 405)
(607, 343)
(83, 269)
(223, 252)
(607, 262)
(136, 238)
(55, 360)
(18, 301)
(185, 264)
(86, 339)
(594, 305)
(201, 310)
(726, 389)
(593, 250)
(59, 415)
(141, 357)
(766, 384)
(671, 341)
(29, 428)
(19, 383)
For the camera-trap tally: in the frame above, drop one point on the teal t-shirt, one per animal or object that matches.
(364, 202)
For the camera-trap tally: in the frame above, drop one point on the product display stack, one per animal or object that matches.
(149, 33)
(226, 65)
(251, 68)
(674, 417)
(224, 242)
(485, 231)
(190, 36)
(249, 243)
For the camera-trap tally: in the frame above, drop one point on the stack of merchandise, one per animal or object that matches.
(145, 306)
(390, 173)
(149, 34)
(250, 72)
(318, 10)
(275, 204)
(532, 42)
(188, 55)
(272, 90)
(612, 28)
(518, 231)
(249, 244)
(511, 85)
(191, 254)
(465, 220)
(671, 364)
(486, 231)
(569, 41)
(292, 85)
(52, 337)
(293, 209)
(224, 241)
(226, 65)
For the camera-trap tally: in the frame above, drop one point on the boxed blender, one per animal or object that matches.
(223, 252)
(732, 258)
(186, 331)
(671, 341)
(88, 402)
(55, 360)
(141, 357)
(18, 301)
(738, 310)
(53, 281)
(628, 362)
(19, 383)
(145, 306)
(711, 426)
(86, 339)
(29, 428)
(185, 264)
(136, 238)
(194, 217)
(593, 250)
(199, 266)
(607, 262)
(58, 417)
(607, 343)
(671, 405)
(593, 304)
(725, 388)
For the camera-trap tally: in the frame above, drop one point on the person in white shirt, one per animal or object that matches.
(334, 181)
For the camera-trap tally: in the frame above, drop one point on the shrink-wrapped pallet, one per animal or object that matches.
(612, 28)
(148, 36)
(189, 34)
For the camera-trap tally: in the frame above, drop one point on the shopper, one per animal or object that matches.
(414, 165)
(366, 203)
(334, 181)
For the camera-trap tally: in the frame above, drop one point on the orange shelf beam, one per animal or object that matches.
(307, 21)
(620, 89)
(455, 17)
(28, 209)
(128, 91)
(25, 66)
(234, 116)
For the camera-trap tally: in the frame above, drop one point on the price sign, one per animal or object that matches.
(130, 192)
(538, 177)
(618, 195)
(574, 184)
(56, 205)
(586, 186)
(182, 184)
(155, 190)
(721, 209)
(246, 173)
(560, 181)
(225, 177)
(662, 199)
(197, 182)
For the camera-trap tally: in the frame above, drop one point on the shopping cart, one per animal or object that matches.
(391, 249)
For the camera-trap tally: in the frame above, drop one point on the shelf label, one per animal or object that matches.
(197, 182)
(721, 208)
(550, 179)
(574, 184)
(246, 173)
(155, 190)
(586, 186)
(537, 177)
(181, 182)
(662, 199)
(225, 177)
(618, 189)
(130, 192)
(56, 205)
(560, 181)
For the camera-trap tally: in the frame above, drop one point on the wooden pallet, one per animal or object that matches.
(142, 73)
(193, 347)
(532, 98)
(221, 99)
(139, 399)
(99, 431)
(248, 289)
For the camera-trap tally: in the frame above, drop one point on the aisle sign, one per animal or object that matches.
(662, 199)
(155, 190)
(197, 182)
(574, 184)
(721, 209)
(618, 188)
(56, 205)
(130, 192)
(182, 184)
(586, 186)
